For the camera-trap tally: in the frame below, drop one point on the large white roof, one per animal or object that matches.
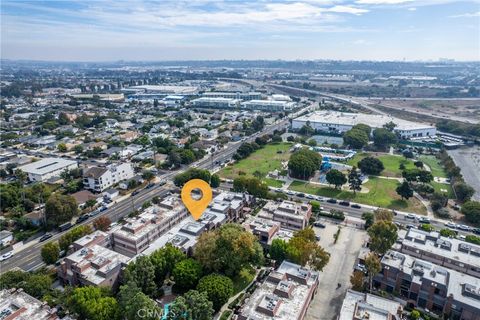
(47, 165)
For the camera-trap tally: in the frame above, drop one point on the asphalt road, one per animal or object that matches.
(30, 259)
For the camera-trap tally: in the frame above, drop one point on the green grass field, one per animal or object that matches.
(435, 166)
(242, 280)
(390, 162)
(439, 186)
(381, 193)
(263, 160)
(273, 182)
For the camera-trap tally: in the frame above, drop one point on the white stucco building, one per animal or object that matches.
(339, 122)
(101, 178)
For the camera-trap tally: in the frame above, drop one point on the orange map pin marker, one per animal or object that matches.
(196, 207)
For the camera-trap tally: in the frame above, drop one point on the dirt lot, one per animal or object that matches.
(465, 110)
(328, 300)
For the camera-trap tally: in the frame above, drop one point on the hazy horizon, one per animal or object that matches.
(153, 31)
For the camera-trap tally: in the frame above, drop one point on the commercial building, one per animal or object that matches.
(234, 95)
(139, 232)
(101, 178)
(92, 262)
(268, 105)
(42, 170)
(216, 103)
(430, 287)
(357, 306)
(18, 305)
(162, 90)
(339, 122)
(285, 294)
(291, 215)
(450, 253)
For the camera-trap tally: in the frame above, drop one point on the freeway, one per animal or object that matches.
(29, 257)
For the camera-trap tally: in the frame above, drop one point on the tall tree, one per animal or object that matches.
(336, 178)
(371, 165)
(91, 303)
(135, 305)
(219, 289)
(50, 252)
(142, 273)
(355, 138)
(354, 180)
(186, 274)
(404, 190)
(383, 235)
(193, 305)
(60, 208)
(278, 250)
(373, 266)
(357, 279)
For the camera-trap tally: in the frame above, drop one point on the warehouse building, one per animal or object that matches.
(234, 95)
(216, 103)
(268, 105)
(339, 122)
(42, 170)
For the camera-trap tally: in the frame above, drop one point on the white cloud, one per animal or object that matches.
(412, 9)
(347, 9)
(467, 15)
(382, 1)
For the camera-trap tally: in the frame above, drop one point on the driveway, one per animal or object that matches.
(327, 302)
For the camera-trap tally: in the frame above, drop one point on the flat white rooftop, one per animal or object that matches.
(351, 119)
(47, 165)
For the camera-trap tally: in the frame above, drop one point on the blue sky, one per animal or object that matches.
(198, 29)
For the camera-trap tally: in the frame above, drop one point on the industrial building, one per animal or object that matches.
(339, 122)
(216, 103)
(42, 170)
(285, 294)
(245, 96)
(268, 105)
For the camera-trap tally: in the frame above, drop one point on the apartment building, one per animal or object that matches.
(430, 287)
(291, 215)
(92, 262)
(451, 253)
(233, 205)
(18, 305)
(42, 170)
(101, 178)
(139, 232)
(267, 230)
(285, 294)
(358, 306)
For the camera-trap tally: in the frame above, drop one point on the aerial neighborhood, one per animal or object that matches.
(332, 198)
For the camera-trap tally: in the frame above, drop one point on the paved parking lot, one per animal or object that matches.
(328, 300)
(468, 159)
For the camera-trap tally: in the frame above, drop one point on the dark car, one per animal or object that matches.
(476, 230)
(83, 218)
(344, 203)
(150, 185)
(356, 206)
(46, 236)
(332, 201)
(134, 193)
(319, 225)
(301, 195)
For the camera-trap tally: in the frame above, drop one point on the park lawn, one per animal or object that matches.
(381, 193)
(240, 283)
(263, 160)
(435, 166)
(390, 162)
(439, 186)
(273, 182)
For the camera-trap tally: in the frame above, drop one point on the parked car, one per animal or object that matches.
(463, 227)
(450, 225)
(65, 226)
(317, 238)
(45, 237)
(356, 206)
(332, 201)
(150, 185)
(424, 220)
(310, 196)
(344, 203)
(82, 218)
(301, 195)
(134, 193)
(6, 256)
(319, 225)
(476, 230)
(291, 193)
(410, 216)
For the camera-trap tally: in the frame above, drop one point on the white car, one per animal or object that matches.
(6, 256)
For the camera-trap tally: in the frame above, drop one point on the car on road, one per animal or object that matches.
(6, 256)
(410, 226)
(301, 195)
(410, 216)
(424, 220)
(82, 218)
(94, 213)
(291, 193)
(317, 238)
(321, 199)
(150, 185)
(464, 227)
(310, 196)
(134, 193)
(319, 225)
(344, 203)
(332, 200)
(451, 225)
(46, 236)
(361, 267)
(476, 230)
(356, 206)
(277, 189)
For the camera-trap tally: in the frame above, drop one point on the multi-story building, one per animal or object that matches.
(430, 287)
(451, 253)
(139, 232)
(285, 294)
(92, 262)
(18, 305)
(101, 178)
(234, 95)
(268, 105)
(290, 214)
(338, 122)
(220, 103)
(267, 230)
(358, 306)
(233, 205)
(42, 170)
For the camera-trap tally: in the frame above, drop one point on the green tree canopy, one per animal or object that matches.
(303, 163)
(371, 165)
(59, 209)
(193, 305)
(471, 210)
(383, 235)
(93, 303)
(336, 178)
(355, 138)
(219, 289)
(186, 274)
(50, 252)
